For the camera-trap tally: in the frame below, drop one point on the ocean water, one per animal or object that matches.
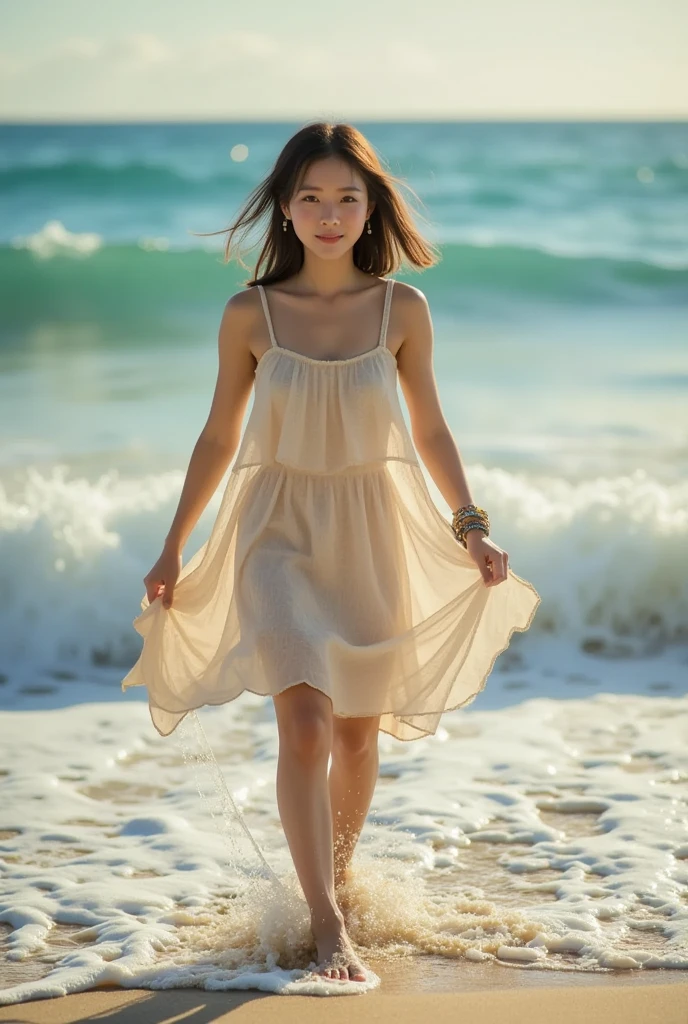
(547, 837)
(560, 309)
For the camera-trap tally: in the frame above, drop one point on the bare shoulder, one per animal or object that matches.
(410, 306)
(236, 371)
(415, 362)
(240, 320)
(411, 321)
(242, 306)
(409, 297)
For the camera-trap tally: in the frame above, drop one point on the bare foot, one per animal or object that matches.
(336, 958)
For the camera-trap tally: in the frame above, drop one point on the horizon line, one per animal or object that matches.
(390, 119)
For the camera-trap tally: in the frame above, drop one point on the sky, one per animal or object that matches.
(87, 60)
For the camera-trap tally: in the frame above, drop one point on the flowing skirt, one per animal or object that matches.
(352, 582)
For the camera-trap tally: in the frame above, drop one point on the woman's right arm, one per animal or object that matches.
(216, 443)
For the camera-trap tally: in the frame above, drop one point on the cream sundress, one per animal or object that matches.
(329, 563)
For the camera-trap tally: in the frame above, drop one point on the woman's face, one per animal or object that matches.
(331, 202)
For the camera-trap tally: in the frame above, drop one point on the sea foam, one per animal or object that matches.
(547, 836)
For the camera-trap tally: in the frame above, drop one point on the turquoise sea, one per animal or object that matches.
(561, 317)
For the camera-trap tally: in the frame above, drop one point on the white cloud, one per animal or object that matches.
(144, 51)
(253, 73)
(248, 44)
(74, 46)
(139, 50)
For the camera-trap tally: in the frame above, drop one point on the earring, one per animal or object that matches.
(284, 224)
(369, 229)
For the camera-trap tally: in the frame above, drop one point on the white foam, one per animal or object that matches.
(608, 556)
(54, 239)
(550, 835)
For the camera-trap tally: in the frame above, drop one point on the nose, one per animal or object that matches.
(329, 215)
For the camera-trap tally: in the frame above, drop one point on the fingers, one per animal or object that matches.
(152, 589)
(156, 588)
(498, 571)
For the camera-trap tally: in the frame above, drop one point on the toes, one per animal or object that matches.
(356, 972)
(351, 973)
(331, 973)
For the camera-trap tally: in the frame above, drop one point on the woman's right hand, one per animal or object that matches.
(162, 578)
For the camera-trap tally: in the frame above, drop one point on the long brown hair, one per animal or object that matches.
(394, 236)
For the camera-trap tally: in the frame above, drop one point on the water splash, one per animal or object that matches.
(246, 858)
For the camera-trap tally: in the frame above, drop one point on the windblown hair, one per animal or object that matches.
(394, 237)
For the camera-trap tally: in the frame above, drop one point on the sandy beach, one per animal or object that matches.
(650, 1001)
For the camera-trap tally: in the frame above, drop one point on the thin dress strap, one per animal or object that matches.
(385, 313)
(266, 310)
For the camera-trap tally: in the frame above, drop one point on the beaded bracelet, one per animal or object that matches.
(469, 517)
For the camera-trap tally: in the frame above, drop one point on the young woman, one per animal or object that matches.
(330, 581)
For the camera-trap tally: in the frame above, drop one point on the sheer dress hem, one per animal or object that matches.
(420, 733)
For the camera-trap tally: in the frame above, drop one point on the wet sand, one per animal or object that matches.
(521, 997)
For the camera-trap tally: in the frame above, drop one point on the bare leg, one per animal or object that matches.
(304, 721)
(354, 772)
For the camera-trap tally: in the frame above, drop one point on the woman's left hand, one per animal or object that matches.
(490, 559)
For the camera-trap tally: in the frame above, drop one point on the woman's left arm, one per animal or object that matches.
(431, 434)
